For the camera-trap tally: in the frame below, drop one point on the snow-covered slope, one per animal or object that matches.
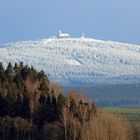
(78, 61)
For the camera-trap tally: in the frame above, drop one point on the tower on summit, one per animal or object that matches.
(83, 35)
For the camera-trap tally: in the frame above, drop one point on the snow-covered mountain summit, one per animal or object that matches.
(78, 61)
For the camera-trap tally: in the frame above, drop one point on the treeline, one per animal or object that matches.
(33, 108)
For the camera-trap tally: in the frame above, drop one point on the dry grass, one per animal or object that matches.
(106, 126)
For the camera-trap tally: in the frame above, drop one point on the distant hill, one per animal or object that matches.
(107, 71)
(78, 61)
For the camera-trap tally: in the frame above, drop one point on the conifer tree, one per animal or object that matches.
(1, 72)
(9, 72)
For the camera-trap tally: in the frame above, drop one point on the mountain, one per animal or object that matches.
(78, 61)
(109, 72)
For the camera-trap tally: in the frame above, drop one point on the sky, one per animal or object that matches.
(116, 20)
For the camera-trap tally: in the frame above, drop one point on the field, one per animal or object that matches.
(133, 115)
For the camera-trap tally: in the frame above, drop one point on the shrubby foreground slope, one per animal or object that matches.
(34, 108)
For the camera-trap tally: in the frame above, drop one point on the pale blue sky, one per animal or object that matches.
(117, 20)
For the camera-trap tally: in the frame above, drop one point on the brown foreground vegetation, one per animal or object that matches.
(106, 126)
(33, 108)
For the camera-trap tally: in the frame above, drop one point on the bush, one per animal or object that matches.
(107, 126)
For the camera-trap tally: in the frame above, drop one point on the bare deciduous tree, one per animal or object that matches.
(74, 128)
(66, 115)
(57, 89)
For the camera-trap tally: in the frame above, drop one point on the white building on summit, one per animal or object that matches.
(63, 35)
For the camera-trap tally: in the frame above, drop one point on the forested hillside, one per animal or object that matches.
(33, 108)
